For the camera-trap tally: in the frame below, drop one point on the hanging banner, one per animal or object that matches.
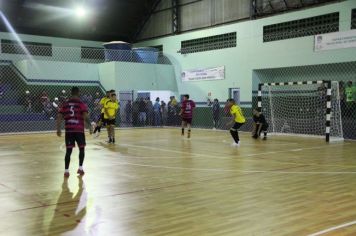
(216, 73)
(337, 40)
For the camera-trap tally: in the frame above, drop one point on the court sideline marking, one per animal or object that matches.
(241, 171)
(333, 228)
(242, 156)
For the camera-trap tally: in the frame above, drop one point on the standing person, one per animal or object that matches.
(142, 112)
(259, 124)
(128, 111)
(173, 116)
(164, 112)
(187, 113)
(75, 114)
(110, 110)
(216, 113)
(28, 101)
(102, 121)
(350, 93)
(238, 120)
(157, 113)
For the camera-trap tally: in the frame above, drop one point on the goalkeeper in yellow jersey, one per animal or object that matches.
(110, 110)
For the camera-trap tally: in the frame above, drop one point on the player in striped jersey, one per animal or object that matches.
(75, 113)
(187, 113)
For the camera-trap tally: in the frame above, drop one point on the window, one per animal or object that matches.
(353, 19)
(209, 43)
(159, 47)
(304, 27)
(33, 48)
(92, 53)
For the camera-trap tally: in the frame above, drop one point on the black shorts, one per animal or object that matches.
(110, 122)
(187, 120)
(72, 138)
(236, 126)
(264, 126)
(103, 120)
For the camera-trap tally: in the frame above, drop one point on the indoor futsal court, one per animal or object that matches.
(178, 117)
(169, 186)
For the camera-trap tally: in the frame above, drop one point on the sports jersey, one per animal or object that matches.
(187, 108)
(103, 102)
(239, 117)
(72, 111)
(259, 119)
(111, 109)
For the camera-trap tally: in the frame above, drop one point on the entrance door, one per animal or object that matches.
(235, 94)
(126, 99)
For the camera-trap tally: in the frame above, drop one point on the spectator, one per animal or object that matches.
(128, 111)
(172, 111)
(149, 111)
(164, 113)
(227, 109)
(350, 93)
(44, 98)
(342, 97)
(142, 112)
(157, 113)
(56, 107)
(28, 101)
(2, 89)
(135, 112)
(216, 113)
(48, 110)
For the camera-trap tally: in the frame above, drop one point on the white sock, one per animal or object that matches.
(80, 167)
(66, 170)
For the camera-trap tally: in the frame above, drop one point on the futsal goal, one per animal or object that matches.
(307, 108)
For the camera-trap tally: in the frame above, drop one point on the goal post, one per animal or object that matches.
(308, 108)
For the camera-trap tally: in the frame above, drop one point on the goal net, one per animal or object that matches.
(309, 108)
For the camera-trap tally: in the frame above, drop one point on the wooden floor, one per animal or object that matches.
(153, 182)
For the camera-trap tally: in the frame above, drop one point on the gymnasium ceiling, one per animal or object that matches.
(267, 7)
(108, 19)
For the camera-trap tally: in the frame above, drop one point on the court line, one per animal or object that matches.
(240, 171)
(242, 156)
(333, 228)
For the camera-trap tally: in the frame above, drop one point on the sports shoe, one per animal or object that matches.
(264, 138)
(235, 144)
(80, 172)
(113, 140)
(109, 141)
(66, 174)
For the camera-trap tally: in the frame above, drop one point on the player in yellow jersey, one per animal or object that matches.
(102, 122)
(110, 110)
(238, 120)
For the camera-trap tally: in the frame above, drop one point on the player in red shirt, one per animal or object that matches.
(75, 114)
(187, 113)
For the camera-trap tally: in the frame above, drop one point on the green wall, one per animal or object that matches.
(57, 70)
(126, 76)
(251, 53)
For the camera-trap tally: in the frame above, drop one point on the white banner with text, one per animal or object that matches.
(216, 73)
